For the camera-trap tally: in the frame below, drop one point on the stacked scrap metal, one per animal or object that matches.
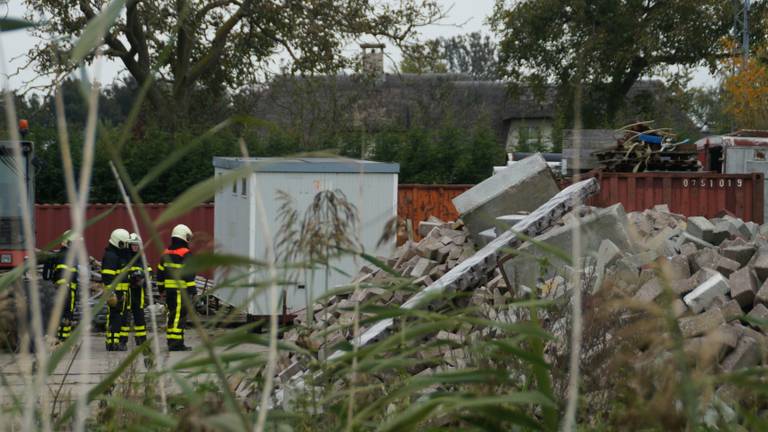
(643, 148)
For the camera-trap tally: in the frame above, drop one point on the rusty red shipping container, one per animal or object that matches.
(53, 219)
(688, 193)
(418, 202)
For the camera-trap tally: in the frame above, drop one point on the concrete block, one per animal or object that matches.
(664, 208)
(425, 227)
(683, 286)
(762, 294)
(704, 258)
(701, 297)
(731, 311)
(422, 267)
(760, 264)
(701, 228)
(642, 259)
(720, 235)
(741, 254)
(649, 291)
(700, 324)
(687, 237)
(726, 266)
(523, 187)
(678, 308)
(746, 354)
(743, 286)
(688, 249)
(760, 313)
(677, 268)
(754, 229)
(738, 227)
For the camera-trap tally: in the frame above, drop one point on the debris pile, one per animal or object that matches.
(643, 148)
(708, 276)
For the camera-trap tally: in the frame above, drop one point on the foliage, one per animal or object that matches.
(608, 45)
(745, 93)
(473, 54)
(178, 48)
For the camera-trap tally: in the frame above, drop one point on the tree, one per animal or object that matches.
(184, 46)
(423, 58)
(609, 45)
(746, 95)
(471, 54)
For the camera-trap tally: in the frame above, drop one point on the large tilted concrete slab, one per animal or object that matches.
(525, 186)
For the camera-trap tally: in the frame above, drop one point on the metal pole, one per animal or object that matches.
(745, 34)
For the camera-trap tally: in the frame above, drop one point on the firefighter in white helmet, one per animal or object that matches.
(116, 286)
(176, 283)
(136, 295)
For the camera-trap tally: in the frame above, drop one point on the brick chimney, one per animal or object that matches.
(373, 58)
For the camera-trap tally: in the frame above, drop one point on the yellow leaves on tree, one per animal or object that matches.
(746, 94)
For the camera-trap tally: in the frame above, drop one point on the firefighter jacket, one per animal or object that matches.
(112, 266)
(170, 271)
(59, 270)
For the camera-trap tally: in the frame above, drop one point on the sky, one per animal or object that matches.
(463, 16)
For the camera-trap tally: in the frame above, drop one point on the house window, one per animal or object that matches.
(243, 189)
(529, 138)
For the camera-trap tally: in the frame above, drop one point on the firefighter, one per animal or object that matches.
(67, 282)
(136, 303)
(174, 283)
(115, 287)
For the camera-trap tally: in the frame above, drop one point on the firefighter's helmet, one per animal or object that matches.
(120, 238)
(182, 232)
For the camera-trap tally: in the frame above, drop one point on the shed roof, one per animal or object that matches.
(308, 165)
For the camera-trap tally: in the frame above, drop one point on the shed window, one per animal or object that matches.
(243, 189)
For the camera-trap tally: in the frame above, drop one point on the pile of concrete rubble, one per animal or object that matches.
(712, 275)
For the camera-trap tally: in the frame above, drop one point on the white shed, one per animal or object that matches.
(370, 186)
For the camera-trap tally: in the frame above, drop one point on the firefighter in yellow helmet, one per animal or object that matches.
(176, 283)
(115, 286)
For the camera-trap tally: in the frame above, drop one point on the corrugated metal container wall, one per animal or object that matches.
(418, 202)
(690, 194)
(53, 219)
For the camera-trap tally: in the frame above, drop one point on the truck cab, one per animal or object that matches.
(12, 250)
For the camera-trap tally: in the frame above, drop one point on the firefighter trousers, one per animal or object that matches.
(177, 317)
(116, 320)
(68, 313)
(136, 307)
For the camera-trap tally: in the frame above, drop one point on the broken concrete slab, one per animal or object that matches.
(523, 187)
(422, 267)
(609, 223)
(743, 286)
(700, 324)
(701, 228)
(701, 297)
